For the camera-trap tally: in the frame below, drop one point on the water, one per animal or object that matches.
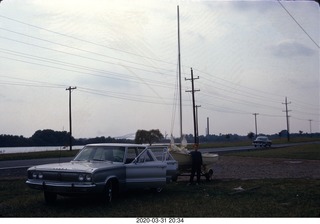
(8, 150)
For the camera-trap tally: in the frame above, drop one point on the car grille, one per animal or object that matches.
(60, 176)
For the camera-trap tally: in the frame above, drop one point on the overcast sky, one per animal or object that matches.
(122, 56)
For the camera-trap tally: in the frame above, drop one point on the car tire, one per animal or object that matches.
(209, 175)
(174, 178)
(157, 189)
(49, 197)
(110, 191)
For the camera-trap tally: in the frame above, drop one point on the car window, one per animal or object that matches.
(101, 153)
(145, 157)
(161, 153)
(132, 153)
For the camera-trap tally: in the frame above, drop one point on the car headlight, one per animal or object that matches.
(88, 177)
(81, 177)
(85, 177)
(40, 175)
(37, 175)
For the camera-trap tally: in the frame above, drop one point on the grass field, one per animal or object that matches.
(263, 198)
(38, 155)
(309, 151)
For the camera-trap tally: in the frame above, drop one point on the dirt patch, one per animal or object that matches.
(234, 167)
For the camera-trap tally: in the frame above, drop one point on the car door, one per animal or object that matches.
(145, 171)
(162, 154)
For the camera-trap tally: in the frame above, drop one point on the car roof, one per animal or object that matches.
(116, 144)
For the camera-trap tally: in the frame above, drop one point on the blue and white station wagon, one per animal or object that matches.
(106, 169)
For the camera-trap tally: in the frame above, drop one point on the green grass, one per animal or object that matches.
(268, 198)
(309, 151)
(249, 142)
(64, 153)
(38, 155)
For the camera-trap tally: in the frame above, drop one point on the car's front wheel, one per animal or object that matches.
(111, 190)
(49, 197)
(157, 189)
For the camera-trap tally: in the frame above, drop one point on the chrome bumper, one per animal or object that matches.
(63, 187)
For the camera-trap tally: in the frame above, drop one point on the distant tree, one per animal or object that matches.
(49, 137)
(155, 136)
(152, 136)
(250, 135)
(141, 136)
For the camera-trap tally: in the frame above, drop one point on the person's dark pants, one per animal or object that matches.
(193, 171)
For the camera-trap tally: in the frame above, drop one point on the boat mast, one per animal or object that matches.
(179, 62)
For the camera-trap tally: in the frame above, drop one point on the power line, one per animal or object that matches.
(83, 40)
(298, 24)
(83, 50)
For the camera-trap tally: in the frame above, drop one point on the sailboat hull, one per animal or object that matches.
(185, 161)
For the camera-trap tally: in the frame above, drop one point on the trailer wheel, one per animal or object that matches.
(174, 178)
(209, 175)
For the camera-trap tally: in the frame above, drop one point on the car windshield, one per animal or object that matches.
(101, 153)
(262, 138)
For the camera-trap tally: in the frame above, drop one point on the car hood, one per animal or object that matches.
(75, 166)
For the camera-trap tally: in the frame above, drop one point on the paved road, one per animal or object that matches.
(23, 164)
(248, 148)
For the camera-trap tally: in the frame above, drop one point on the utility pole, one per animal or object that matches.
(208, 131)
(179, 61)
(287, 116)
(255, 119)
(70, 121)
(197, 119)
(310, 126)
(196, 140)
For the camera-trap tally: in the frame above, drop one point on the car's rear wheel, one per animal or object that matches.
(49, 197)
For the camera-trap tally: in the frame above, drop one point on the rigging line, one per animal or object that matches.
(239, 101)
(138, 99)
(53, 61)
(255, 90)
(298, 24)
(305, 113)
(28, 85)
(143, 81)
(80, 56)
(225, 110)
(250, 96)
(117, 93)
(175, 100)
(84, 73)
(82, 40)
(301, 119)
(32, 81)
(271, 115)
(87, 51)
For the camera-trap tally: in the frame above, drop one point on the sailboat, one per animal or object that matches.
(181, 153)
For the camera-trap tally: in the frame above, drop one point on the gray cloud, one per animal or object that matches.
(291, 48)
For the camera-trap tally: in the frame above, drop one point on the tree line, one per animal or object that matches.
(50, 137)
